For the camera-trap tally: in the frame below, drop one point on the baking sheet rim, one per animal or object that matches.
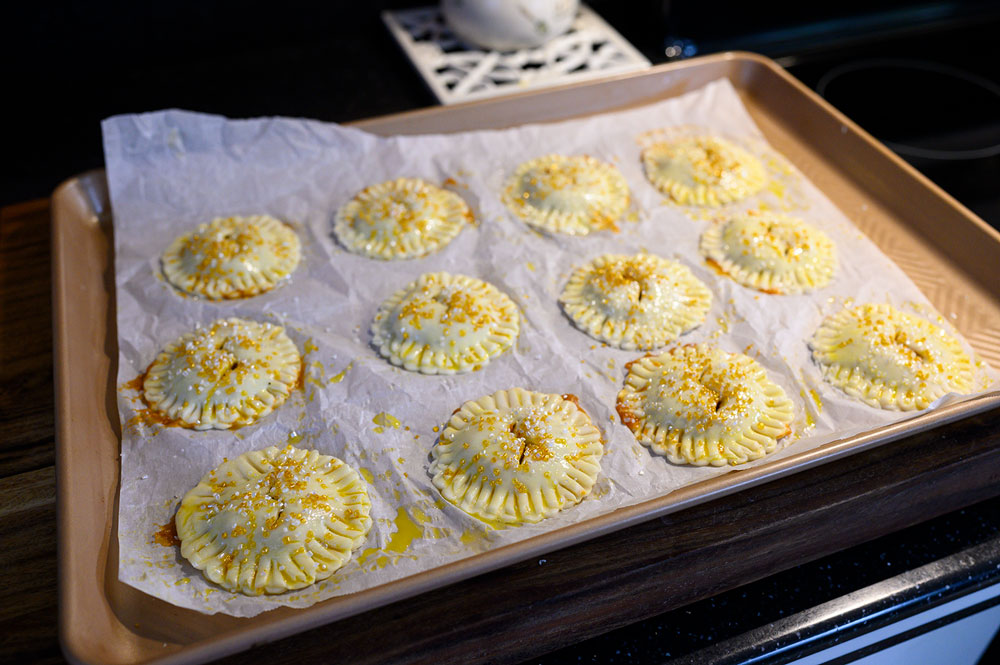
(343, 606)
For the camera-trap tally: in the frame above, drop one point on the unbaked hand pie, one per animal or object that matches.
(517, 456)
(232, 257)
(228, 374)
(635, 302)
(703, 170)
(700, 405)
(573, 195)
(274, 520)
(770, 252)
(445, 324)
(400, 219)
(890, 359)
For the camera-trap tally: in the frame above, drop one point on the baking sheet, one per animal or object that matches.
(169, 171)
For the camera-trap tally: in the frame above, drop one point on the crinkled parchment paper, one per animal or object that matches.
(169, 171)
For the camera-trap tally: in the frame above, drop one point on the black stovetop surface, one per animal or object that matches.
(67, 67)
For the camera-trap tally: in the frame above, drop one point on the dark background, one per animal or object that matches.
(67, 65)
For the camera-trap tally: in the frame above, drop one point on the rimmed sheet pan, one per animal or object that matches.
(946, 250)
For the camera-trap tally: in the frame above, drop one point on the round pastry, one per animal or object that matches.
(229, 374)
(274, 520)
(703, 170)
(635, 302)
(890, 359)
(445, 324)
(517, 456)
(574, 195)
(232, 257)
(700, 405)
(770, 252)
(400, 219)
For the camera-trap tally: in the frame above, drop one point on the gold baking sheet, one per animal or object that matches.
(947, 251)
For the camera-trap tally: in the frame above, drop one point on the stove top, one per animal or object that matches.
(935, 100)
(344, 66)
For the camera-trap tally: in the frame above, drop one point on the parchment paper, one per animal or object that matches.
(169, 171)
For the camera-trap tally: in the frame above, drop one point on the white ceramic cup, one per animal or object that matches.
(507, 25)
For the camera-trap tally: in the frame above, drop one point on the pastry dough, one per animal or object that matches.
(228, 374)
(445, 324)
(635, 302)
(232, 257)
(274, 520)
(700, 405)
(703, 170)
(890, 359)
(400, 219)
(574, 195)
(517, 456)
(770, 252)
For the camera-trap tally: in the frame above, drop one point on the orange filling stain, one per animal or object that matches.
(714, 265)
(166, 535)
(569, 397)
(148, 417)
(136, 383)
(300, 382)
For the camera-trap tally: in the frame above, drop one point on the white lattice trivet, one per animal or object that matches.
(456, 72)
